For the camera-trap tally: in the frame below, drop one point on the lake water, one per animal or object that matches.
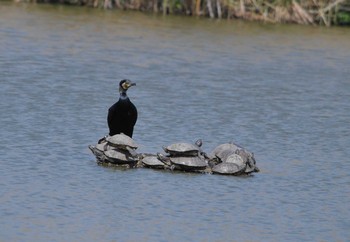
(282, 92)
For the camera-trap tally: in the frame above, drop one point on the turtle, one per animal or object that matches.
(184, 163)
(184, 149)
(119, 157)
(223, 151)
(99, 148)
(97, 152)
(152, 161)
(226, 168)
(249, 159)
(234, 165)
(194, 163)
(123, 142)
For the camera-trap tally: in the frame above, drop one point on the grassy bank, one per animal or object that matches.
(312, 12)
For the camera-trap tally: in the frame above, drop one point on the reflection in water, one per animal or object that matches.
(280, 91)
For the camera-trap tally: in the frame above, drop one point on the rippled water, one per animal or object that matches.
(282, 92)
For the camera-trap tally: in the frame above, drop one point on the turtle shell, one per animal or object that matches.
(152, 161)
(188, 163)
(226, 168)
(119, 157)
(103, 147)
(184, 149)
(236, 159)
(121, 141)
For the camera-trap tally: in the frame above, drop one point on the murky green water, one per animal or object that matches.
(283, 92)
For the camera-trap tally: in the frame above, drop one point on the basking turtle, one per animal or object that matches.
(184, 149)
(194, 163)
(223, 151)
(120, 157)
(152, 161)
(234, 165)
(249, 159)
(98, 150)
(123, 142)
(242, 162)
(184, 163)
(226, 168)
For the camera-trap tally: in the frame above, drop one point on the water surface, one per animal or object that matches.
(282, 92)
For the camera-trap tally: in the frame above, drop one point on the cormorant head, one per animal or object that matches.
(125, 84)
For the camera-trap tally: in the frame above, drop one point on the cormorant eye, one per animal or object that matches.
(125, 85)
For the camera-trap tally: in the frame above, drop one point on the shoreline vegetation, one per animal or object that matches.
(308, 12)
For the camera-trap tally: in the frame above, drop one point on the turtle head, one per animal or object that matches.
(165, 149)
(125, 84)
(199, 142)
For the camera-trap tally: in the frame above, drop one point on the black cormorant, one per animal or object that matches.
(122, 115)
